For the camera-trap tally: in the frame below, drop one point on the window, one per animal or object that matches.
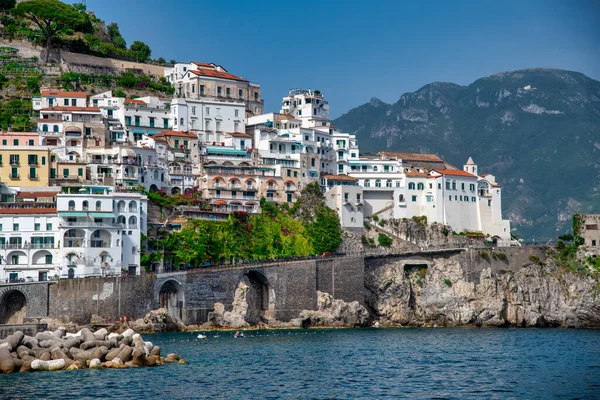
(236, 126)
(472, 187)
(450, 198)
(98, 205)
(341, 170)
(358, 197)
(367, 183)
(16, 227)
(219, 90)
(202, 90)
(455, 198)
(340, 154)
(237, 113)
(127, 120)
(44, 129)
(386, 168)
(32, 173)
(462, 186)
(431, 186)
(420, 186)
(289, 197)
(460, 198)
(48, 227)
(14, 159)
(31, 142)
(453, 185)
(377, 183)
(289, 172)
(14, 173)
(193, 88)
(66, 172)
(255, 96)
(55, 129)
(48, 258)
(15, 142)
(593, 243)
(71, 205)
(181, 121)
(228, 92)
(447, 185)
(52, 173)
(414, 199)
(43, 160)
(32, 159)
(411, 186)
(36, 227)
(401, 198)
(66, 102)
(489, 203)
(466, 199)
(137, 120)
(165, 122)
(388, 183)
(473, 199)
(151, 119)
(207, 126)
(240, 93)
(85, 205)
(346, 197)
(79, 171)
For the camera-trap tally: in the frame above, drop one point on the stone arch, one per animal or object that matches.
(13, 307)
(153, 187)
(258, 296)
(176, 190)
(172, 298)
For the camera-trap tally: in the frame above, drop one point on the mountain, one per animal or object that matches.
(536, 130)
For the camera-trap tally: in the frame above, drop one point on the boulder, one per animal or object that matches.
(7, 362)
(60, 332)
(128, 333)
(125, 353)
(88, 336)
(13, 341)
(25, 350)
(58, 354)
(95, 363)
(51, 343)
(155, 351)
(26, 367)
(30, 341)
(138, 357)
(44, 336)
(72, 342)
(50, 365)
(172, 357)
(46, 356)
(112, 354)
(100, 334)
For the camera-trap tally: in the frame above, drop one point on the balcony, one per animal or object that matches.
(33, 177)
(99, 244)
(27, 205)
(91, 224)
(272, 188)
(250, 188)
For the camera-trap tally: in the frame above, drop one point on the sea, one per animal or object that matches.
(373, 363)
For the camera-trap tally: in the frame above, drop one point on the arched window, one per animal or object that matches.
(411, 186)
(71, 205)
(55, 128)
(181, 121)
(377, 182)
(132, 206)
(420, 186)
(132, 222)
(85, 205)
(367, 183)
(98, 205)
(453, 185)
(121, 221)
(375, 168)
(401, 198)
(45, 128)
(118, 242)
(388, 183)
(133, 250)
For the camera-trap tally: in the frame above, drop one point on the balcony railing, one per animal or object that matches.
(99, 243)
(92, 224)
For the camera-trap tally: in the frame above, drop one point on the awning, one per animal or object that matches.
(225, 150)
(152, 132)
(141, 131)
(127, 153)
(102, 215)
(72, 213)
(220, 202)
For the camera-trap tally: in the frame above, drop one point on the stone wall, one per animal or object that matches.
(76, 300)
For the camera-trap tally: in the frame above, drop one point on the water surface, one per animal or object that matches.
(346, 363)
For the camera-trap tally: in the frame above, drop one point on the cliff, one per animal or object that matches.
(474, 289)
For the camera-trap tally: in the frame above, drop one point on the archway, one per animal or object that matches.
(171, 297)
(257, 297)
(13, 307)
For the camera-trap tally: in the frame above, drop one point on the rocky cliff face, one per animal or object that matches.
(446, 293)
(537, 130)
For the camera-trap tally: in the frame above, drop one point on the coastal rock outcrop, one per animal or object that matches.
(447, 293)
(333, 312)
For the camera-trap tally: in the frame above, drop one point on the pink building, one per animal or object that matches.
(19, 139)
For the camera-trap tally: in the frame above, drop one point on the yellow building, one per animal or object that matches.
(24, 166)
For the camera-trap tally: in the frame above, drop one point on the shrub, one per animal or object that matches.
(445, 231)
(364, 239)
(484, 254)
(534, 258)
(448, 282)
(422, 272)
(384, 240)
(372, 242)
(375, 218)
(367, 225)
(381, 222)
(420, 282)
(501, 256)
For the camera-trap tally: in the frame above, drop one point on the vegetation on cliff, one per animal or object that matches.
(280, 231)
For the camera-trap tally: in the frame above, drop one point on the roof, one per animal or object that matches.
(470, 161)
(216, 74)
(413, 156)
(413, 173)
(239, 134)
(135, 101)
(495, 185)
(35, 195)
(201, 64)
(28, 211)
(455, 172)
(339, 178)
(71, 108)
(174, 134)
(484, 175)
(60, 93)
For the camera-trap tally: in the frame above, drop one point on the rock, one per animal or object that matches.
(58, 354)
(182, 361)
(150, 361)
(155, 351)
(51, 365)
(334, 313)
(138, 357)
(26, 367)
(100, 334)
(128, 333)
(125, 354)
(25, 350)
(7, 362)
(60, 332)
(46, 356)
(51, 343)
(72, 367)
(72, 342)
(115, 336)
(88, 336)
(117, 360)
(30, 341)
(13, 341)
(95, 363)
(172, 357)
(44, 336)
(112, 354)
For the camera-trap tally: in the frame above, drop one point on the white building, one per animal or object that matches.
(29, 237)
(52, 98)
(308, 106)
(345, 196)
(101, 232)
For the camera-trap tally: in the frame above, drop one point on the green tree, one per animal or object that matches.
(140, 50)
(119, 93)
(161, 60)
(115, 36)
(51, 16)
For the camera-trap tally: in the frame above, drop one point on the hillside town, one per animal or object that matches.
(74, 200)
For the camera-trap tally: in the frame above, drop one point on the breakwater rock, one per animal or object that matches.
(448, 292)
(58, 350)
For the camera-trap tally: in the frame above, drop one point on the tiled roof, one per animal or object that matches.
(164, 134)
(216, 74)
(71, 108)
(413, 156)
(27, 211)
(60, 93)
(239, 134)
(413, 173)
(455, 172)
(35, 195)
(201, 64)
(339, 178)
(135, 101)
(495, 185)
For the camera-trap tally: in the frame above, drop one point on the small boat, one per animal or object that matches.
(201, 336)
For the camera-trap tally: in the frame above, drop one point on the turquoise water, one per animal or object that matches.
(349, 363)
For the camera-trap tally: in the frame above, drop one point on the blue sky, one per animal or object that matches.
(355, 50)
